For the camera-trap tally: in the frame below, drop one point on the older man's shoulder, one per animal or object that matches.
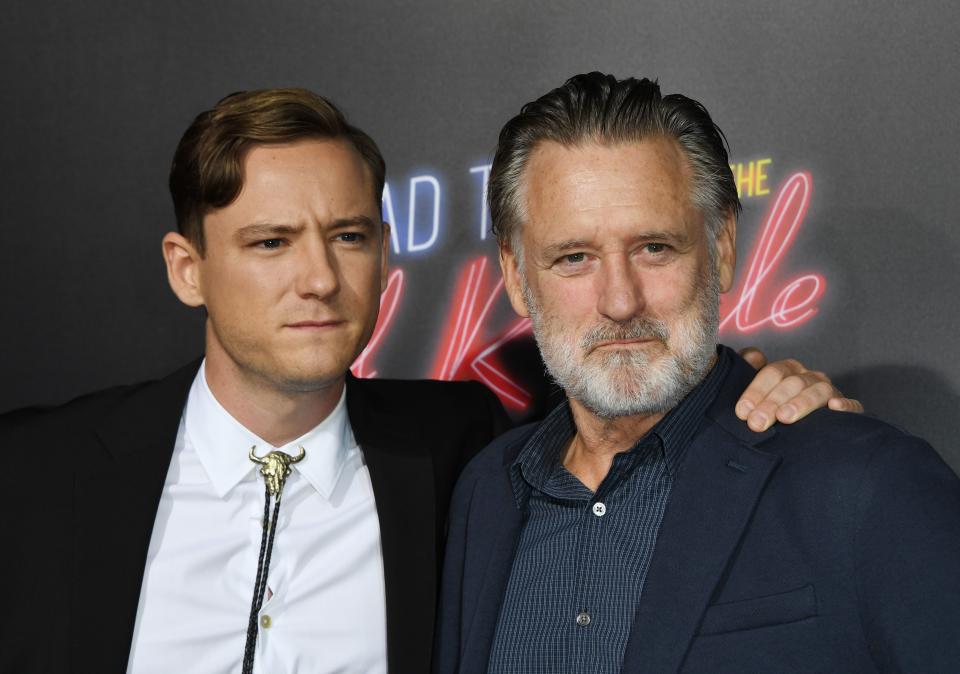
(839, 435)
(838, 452)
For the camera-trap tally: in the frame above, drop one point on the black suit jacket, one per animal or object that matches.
(831, 545)
(83, 482)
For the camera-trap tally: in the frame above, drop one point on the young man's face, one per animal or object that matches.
(294, 267)
(619, 278)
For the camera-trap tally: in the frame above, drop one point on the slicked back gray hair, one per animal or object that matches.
(602, 109)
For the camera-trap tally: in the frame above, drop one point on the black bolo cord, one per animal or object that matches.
(260, 587)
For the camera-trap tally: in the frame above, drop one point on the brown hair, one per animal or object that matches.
(207, 171)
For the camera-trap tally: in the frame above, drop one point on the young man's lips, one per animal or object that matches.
(314, 324)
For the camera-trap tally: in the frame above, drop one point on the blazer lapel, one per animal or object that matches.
(495, 532)
(116, 496)
(401, 472)
(713, 498)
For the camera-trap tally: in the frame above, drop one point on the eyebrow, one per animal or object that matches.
(677, 238)
(558, 249)
(268, 230)
(355, 221)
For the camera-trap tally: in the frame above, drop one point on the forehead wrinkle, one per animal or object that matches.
(354, 221)
(665, 182)
(664, 150)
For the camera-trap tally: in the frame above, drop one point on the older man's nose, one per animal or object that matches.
(620, 295)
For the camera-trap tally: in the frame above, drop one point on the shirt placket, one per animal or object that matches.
(587, 612)
(269, 620)
(588, 615)
(593, 554)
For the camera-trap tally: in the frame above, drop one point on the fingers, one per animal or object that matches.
(754, 356)
(814, 394)
(767, 379)
(839, 404)
(786, 391)
(793, 398)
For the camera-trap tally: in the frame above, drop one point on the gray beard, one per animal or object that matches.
(628, 382)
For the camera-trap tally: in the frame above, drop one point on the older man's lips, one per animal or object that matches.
(624, 342)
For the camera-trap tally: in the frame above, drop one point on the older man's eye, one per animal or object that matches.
(656, 248)
(574, 258)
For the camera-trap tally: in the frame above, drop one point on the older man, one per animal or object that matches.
(640, 527)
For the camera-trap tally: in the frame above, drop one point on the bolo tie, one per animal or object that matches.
(275, 469)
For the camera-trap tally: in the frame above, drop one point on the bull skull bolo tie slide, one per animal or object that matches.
(275, 469)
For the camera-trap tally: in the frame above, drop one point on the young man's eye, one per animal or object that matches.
(350, 237)
(270, 244)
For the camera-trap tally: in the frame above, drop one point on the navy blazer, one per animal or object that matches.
(831, 545)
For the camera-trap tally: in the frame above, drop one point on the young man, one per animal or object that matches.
(141, 535)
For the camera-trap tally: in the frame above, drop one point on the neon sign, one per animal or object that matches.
(420, 187)
(469, 345)
(796, 302)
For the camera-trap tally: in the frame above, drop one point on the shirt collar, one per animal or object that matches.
(540, 457)
(679, 425)
(222, 443)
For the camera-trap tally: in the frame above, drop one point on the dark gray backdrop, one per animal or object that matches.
(861, 96)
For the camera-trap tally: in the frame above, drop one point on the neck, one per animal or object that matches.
(278, 416)
(598, 440)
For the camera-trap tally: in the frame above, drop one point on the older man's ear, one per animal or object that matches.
(726, 259)
(509, 265)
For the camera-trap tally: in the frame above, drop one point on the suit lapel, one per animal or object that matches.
(713, 498)
(401, 471)
(116, 496)
(495, 525)
(495, 532)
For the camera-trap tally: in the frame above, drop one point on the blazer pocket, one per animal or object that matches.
(748, 614)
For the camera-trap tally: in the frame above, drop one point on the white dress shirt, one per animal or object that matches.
(324, 609)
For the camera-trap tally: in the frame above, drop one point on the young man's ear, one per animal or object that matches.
(384, 253)
(183, 273)
(509, 265)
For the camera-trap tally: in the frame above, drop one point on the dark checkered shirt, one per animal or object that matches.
(582, 557)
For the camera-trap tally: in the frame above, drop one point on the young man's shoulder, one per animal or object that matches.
(72, 419)
(494, 460)
(450, 407)
(80, 410)
(439, 392)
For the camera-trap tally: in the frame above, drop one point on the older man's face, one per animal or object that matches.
(617, 274)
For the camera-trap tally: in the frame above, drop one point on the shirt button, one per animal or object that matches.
(599, 509)
(265, 621)
(583, 619)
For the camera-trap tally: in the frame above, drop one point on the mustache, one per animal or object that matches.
(639, 327)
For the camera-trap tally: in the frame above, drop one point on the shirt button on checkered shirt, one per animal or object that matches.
(584, 555)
